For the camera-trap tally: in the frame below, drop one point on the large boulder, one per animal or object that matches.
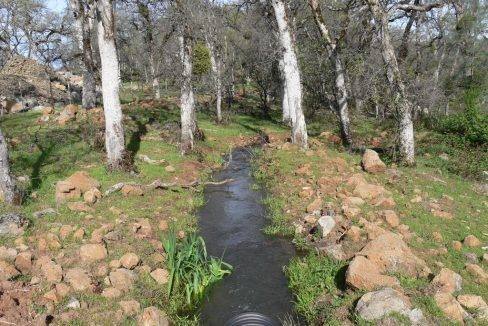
(372, 163)
(392, 255)
(378, 304)
(363, 274)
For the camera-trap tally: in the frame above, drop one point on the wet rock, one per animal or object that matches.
(478, 273)
(160, 275)
(363, 274)
(451, 308)
(122, 279)
(78, 279)
(129, 260)
(152, 316)
(372, 163)
(378, 304)
(130, 307)
(12, 224)
(326, 224)
(472, 241)
(93, 252)
(447, 281)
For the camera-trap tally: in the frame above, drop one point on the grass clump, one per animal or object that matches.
(192, 271)
(316, 282)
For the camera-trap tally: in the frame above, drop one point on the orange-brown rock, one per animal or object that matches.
(363, 274)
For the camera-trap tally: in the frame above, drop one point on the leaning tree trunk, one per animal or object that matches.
(83, 26)
(188, 124)
(7, 185)
(114, 131)
(292, 75)
(217, 78)
(341, 93)
(402, 104)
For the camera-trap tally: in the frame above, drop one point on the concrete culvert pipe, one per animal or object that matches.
(252, 319)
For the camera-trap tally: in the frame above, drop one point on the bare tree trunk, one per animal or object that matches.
(341, 93)
(341, 98)
(292, 75)
(114, 131)
(7, 184)
(402, 104)
(149, 40)
(84, 24)
(187, 100)
(287, 116)
(217, 78)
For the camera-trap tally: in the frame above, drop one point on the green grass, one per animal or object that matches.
(49, 153)
(317, 283)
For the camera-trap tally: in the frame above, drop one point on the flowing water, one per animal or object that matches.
(231, 223)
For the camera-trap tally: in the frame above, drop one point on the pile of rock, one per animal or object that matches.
(78, 185)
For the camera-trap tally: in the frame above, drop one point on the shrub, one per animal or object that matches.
(201, 60)
(471, 125)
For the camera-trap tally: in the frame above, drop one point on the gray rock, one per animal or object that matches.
(73, 303)
(325, 225)
(378, 304)
(44, 212)
(10, 223)
(471, 258)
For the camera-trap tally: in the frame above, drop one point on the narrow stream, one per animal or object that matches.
(231, 223)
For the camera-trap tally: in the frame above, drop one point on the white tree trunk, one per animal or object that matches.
(187, 100)
(292, 75)
(341, 98)
(402, 104)
(287, 116)
(217, 78)
(83, 27)
(341, 94)
(114, 132)
(7, 186)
